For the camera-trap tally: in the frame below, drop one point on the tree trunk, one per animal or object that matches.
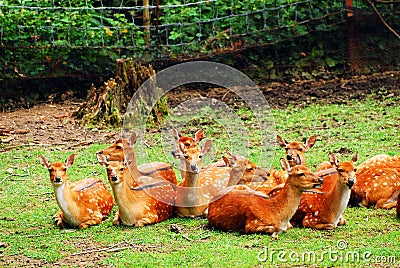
(107, 104)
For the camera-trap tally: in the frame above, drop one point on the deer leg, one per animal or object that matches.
(383, 203)
(116, 221)
(145, 221)
(389, 205)
(342, 221)
(323, 226)
(97, 218)
(255, 226)
(58, 219)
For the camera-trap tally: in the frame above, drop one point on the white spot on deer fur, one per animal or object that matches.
(375, 184)
(385, 183)
(316, 213)
(310, 206)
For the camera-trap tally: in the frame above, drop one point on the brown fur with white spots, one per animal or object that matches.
(378, 182)
(323, 211)
(191, 199)
(157, 170)
(150, 203)
(295, 150)
(83, 203)
(253, 212)
(200, 185)
(245, 172)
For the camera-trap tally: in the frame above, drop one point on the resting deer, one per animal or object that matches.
(252, 212)
(295, 150)
(323, 211)
(83, 203)
(200, 185)
(148, 204)
(186, 142)
(157, 170)
(378, 182)
(245, 172)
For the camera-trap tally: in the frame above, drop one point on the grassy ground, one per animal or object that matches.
(27, 232)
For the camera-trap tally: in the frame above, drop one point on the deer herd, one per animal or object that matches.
(233, 193)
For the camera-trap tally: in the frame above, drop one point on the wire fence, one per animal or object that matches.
(56, 38)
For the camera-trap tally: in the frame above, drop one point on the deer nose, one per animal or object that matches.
(350, 182)
(57, 179)
(99, 152)
(114, 178)
(194, 167)
(289, 157)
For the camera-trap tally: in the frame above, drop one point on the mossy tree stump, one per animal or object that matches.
(107, 104)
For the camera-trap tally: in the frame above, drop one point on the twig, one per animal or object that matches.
(382, 19)
(16, 175)
(187, 238)
(45, 193)
(111, 248)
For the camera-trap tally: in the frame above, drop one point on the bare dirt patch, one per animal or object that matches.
(51, 124)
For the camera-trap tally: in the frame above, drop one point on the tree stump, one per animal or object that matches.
(107, 104)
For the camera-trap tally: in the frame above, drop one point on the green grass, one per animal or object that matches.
(369, 127)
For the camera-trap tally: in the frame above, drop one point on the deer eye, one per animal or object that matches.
(187, 144)
(340, 169)
(301, 174)
(301, 149)
(64, 169)
(200, 156)
(249, 168)
(121, 169)
(355, 169)
(186, 156)
(119, 147)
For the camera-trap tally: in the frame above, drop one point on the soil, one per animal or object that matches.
(50, 124)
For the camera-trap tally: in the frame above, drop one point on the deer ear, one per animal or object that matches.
(281, 141)
(177, 135)
(43, 160)
(285, 165)
(132, 139)
(311, 141)
(355, 157)
(102, 160)
(199, 135)
(298, 161)
(333, 160)
(70, 160)
(206, 146)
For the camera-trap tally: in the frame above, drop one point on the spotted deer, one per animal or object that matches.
(245, 172)
(82, 203)
(295, 150)
(378, 183)
(253, 212)
(186, 142)
(324, 210)
(200, 185)
(183, 143)
(157, 170)
(150, 203)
